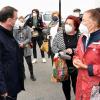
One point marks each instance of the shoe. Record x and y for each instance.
(34, 60)
(43, 60)
(32, 78)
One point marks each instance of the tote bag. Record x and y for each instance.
(60, 70)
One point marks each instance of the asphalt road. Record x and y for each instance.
(42, 88)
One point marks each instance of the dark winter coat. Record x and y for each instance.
(11, 79)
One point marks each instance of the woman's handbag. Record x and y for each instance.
(45, 46)
(60, 70)
(95, 94)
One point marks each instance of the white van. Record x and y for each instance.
(46, 17)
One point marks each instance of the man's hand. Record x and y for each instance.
(5, 94)
(79, 64)
(21, 45)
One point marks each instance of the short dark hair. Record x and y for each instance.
(6, 12)
(77, 10)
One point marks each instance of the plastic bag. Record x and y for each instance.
(60, 70)
(95, 94)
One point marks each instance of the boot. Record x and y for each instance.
(32, 77)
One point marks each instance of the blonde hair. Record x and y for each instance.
(55, 12)
(21, 17)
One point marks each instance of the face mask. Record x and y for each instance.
(68, 28)
(54, 18)
(34, 14)
(83, 29)
(21, 24)
(77, 14)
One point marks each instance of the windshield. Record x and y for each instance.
(47, 17)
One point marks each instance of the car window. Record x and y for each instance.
(47, 17)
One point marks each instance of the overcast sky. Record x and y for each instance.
(25, 6)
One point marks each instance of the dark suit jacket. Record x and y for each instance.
(11, 79)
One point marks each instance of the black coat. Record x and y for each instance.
(11, 79)
(40, 25)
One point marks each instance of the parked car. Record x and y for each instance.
(46, 17)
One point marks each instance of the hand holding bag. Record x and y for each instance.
(64, 55)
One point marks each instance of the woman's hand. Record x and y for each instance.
(69, 51)
(79, 64)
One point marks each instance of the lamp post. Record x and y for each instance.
(59, 13)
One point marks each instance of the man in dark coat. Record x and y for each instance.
(11, 79)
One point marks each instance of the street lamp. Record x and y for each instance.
(59, 13)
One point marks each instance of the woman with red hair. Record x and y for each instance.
(65, 43)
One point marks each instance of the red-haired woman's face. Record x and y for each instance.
(71, 23)
(69, 26)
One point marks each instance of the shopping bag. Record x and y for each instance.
(60, 70)
(45, 46)
(95, 94)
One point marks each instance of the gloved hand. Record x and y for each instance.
(63, 55)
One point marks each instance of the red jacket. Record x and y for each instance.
(90, 56)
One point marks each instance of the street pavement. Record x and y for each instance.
(42, 88)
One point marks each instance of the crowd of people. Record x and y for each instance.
(78, 37)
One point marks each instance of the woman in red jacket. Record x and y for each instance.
(87, 57)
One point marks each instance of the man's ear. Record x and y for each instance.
(9, 20)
